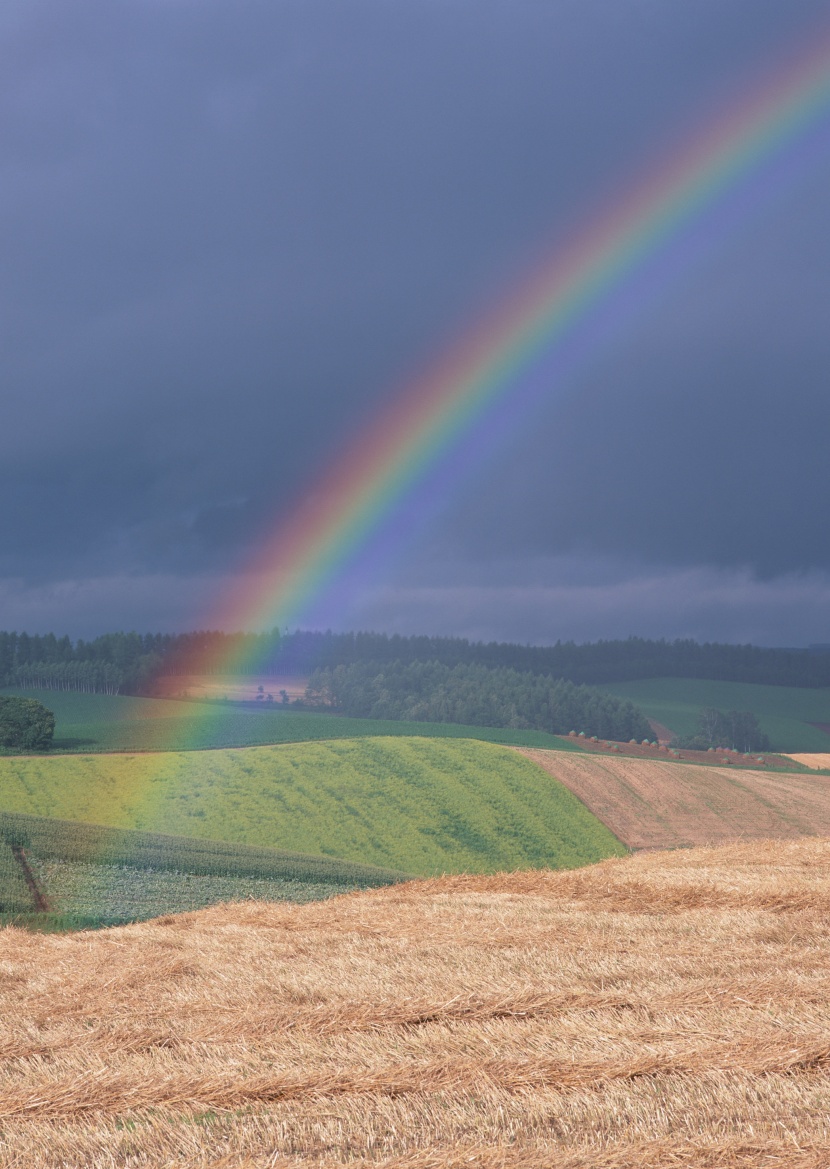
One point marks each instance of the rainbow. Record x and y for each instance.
(402, 447)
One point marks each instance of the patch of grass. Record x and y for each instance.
(784, 712)
(103, 722)
(420, 805)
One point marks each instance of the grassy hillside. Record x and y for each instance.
(784, 712)
(102, 722)
(421, 805)
(94, 875)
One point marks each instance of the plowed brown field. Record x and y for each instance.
(652, 803)
(657, 1011)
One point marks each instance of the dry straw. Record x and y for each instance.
(666, 1010)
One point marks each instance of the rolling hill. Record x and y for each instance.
(418, 804)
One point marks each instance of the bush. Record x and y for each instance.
(25, 725)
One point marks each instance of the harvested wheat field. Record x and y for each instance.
(817, 760)
(654, 1011)
(653, 803)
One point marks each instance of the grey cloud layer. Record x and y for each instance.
(232, 230)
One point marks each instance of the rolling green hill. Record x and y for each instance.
(421, 805)
(103, 722)
(784, 712)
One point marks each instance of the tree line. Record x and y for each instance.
(86, 677)
(141, 658)
(474, 695)
(115, 663)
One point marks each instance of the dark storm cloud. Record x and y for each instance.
(232, 230)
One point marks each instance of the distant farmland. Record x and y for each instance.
(103, 722)
(422, 805)
(784, 712)
(655, 803)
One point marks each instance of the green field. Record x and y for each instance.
(14, 892)
(421, 805)
(784, 712)
(102, 722)
(94, 875)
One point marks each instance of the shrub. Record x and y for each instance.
(25, 725)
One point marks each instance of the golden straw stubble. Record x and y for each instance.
(669, 1009)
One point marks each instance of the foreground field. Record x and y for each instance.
(107, 722)
(662, 1010)
(653, 803)
(786, 713)
(422, 805)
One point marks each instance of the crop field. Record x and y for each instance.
(784, 712)
(15, 896)
(816, 762)
(91, 895)
(654, 803)
(92, 875)
(103, 722)
(666, 1009)
(421, 805)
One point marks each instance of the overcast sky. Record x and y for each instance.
(232, 229)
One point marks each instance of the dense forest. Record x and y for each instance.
(474, 695)
(128, 663)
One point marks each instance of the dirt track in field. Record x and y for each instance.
(654, 803)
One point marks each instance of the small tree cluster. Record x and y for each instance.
(736, 729)
(25, 725)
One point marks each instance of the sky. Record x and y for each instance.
(235, 229)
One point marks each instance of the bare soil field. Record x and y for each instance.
(662, 733)
(658, 1011)
(655, 803)
(816, 760)
(235, 687)
(721, 755)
